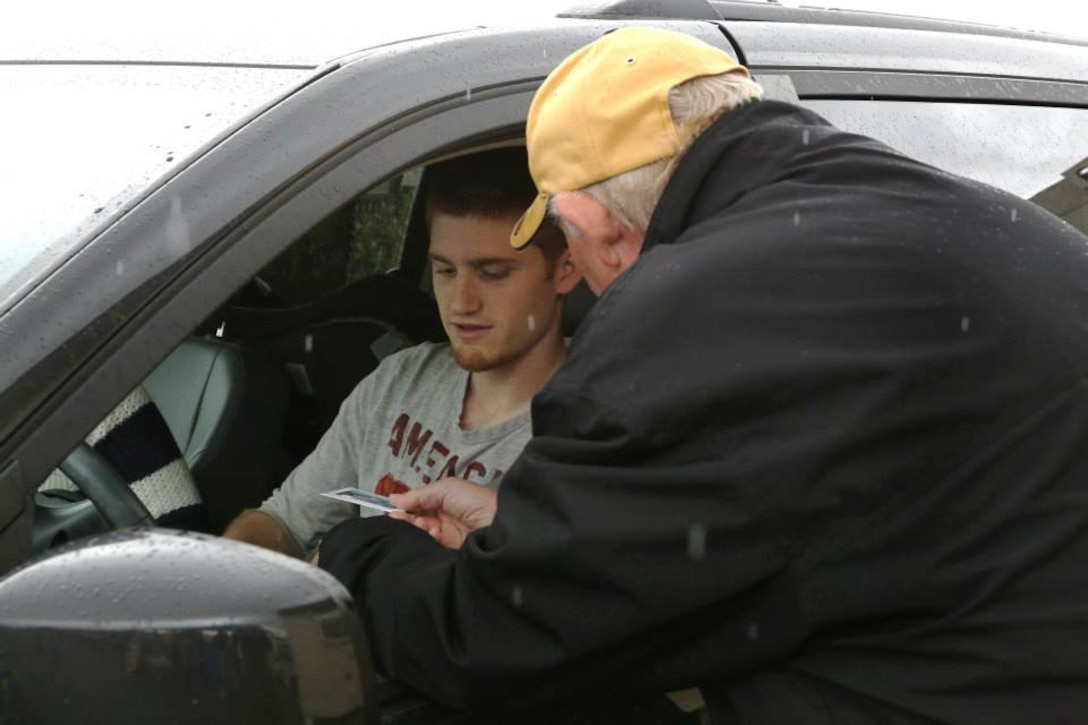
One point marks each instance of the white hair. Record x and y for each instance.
(695, 105)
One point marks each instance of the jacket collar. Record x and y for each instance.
(734, 155)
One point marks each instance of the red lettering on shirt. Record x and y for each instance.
(475, 468)
(408, 440)
(388, 484)
(450, 469)
(416, 443)
(398, 433)
(440, 449)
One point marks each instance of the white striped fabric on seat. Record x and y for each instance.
(136, 441)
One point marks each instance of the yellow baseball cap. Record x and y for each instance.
(605, 111)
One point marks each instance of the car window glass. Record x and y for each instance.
(362, 238)
(83, 138)
(1022, 149)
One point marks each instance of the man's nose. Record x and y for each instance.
(465, 297)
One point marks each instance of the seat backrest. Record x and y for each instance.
(197, 390)
(329, 345)
(226, 407)
(325, 362)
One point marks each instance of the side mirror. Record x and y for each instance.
(147, 625)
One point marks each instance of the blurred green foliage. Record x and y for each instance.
(362, 238)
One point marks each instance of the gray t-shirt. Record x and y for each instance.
(399, 428)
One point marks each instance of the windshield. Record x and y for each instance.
(78, 140)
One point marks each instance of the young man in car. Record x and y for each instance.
(438, 410)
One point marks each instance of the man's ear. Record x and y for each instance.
(612, 242)
(567, 275)
(616, 246)
(627, 245)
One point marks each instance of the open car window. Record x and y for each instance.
(362, 238)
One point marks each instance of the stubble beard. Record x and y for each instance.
(477, 361)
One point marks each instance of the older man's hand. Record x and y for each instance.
(448, 509)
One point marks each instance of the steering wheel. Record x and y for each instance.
(104, 487)
(109, 498)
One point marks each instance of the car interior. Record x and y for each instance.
(248, 394)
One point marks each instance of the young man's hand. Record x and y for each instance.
(449, 509)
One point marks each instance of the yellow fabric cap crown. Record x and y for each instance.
(605, 111)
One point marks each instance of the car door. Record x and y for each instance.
(97, 325)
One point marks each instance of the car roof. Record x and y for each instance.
(810, 13)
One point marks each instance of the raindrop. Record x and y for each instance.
(308, 343)
(518, 596)
(805, 137)
(753, 632)
(119, 268)
(532, 323)
(697, 541)
(468, 93)
(1014, 216)
(965, 323)
(797, 219)
(177, 227)
(99, 210)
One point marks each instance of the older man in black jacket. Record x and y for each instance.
(818, 450)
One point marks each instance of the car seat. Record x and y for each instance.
(226, 407)
(326, 347)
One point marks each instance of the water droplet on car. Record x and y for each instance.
(1014, 216)
(805, 137)
(697, 541)
(797, 219)
(308, 343)
(532, 323)
(119, 268)
(518, 596)
(753, 632)
(177, 227)
(965, 323)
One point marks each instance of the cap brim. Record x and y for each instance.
(529, 224)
